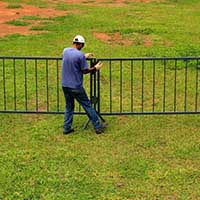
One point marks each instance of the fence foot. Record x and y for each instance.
(102, 119)
(85, 125)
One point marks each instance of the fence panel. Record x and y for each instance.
(123, 86)
(150, 86)
(31, 85)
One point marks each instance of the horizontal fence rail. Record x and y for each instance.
(123, 86)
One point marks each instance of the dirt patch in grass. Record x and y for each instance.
(113, 3)
(108, 2)
(114, 38)
(148, 41)
(8, 14)
(140, 39)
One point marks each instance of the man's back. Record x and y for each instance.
(73, 62)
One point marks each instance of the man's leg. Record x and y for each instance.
(69, 110)
(82, 98)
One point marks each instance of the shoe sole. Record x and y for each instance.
(68, 132)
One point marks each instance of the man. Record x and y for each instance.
(74, 65)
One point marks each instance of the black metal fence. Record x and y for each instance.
(123, 86)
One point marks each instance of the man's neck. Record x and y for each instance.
(76, 46)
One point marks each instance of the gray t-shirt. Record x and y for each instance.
(73, 62)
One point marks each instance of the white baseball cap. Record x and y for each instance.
(79, 39)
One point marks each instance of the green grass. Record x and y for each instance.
(159, 158)
(13, 6)
(33, 17)
(139, 157)
(18, 23)
(173, 28)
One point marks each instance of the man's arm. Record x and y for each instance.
(93, 69)
(89, 70)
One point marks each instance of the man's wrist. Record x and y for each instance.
(89, 70)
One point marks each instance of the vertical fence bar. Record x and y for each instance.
(36, 85)
(164, 86)
(98, 92)
(25, 84)
(120, 86)
(185, 100)
(197, 85)
(142, 86)
(175, 80)
(58, 95)
(91, 82)
(47, 84)
(110, 72)
(154, 83)
(132, 86)
(14, 84)
(4, 85)
(95, 92)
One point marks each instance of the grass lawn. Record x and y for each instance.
(139, 157)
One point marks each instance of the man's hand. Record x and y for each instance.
(89, 55)
(98, 65)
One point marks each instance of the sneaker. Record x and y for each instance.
(101, 129)
(68, 131)
(104, 125)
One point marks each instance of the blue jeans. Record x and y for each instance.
(80, 95)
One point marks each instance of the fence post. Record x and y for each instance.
(97, 92)
(94, 91)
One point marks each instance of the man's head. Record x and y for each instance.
(79, 42)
